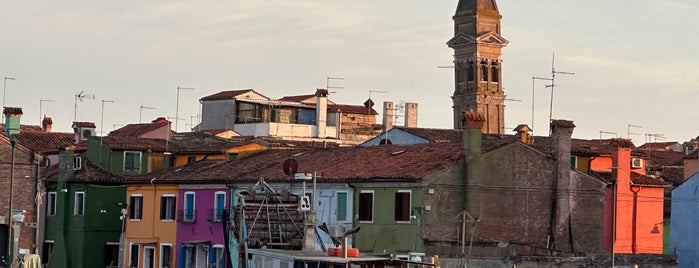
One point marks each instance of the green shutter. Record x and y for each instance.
(341, 206)
(128, 161)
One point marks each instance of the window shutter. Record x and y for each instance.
(341, 206)
(128, 161)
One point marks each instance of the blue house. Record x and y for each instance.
(683, 228)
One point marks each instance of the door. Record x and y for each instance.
(148, 257)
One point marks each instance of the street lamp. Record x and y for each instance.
(140, 113)
(13, 143)
(177, 104)
(41, 116)
(4, 85)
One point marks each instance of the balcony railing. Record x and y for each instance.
(188, 216)
(215, 215)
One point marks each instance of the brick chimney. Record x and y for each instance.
(410, 114)
(561, 133)
(12, 116)
(522, 133)
(471, 141)
(387, 115)
(47, 124)
(321, 112)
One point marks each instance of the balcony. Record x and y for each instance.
(187, 217)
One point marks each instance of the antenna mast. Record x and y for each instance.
(553, 85)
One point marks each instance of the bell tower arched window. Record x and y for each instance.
(495, 72)
(469, 71)
(484, 71)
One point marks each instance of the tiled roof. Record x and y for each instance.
(226, 95)
(197, 142)
(636, 179)
(46, 142)
(352, 109)
(380, 163)
(135, 130)
(84, 124)
(135, 143)
(662, 158)
(219, 131)
(562, 123)
(434, 134)
(23, 127)
(279, 143)
(89, 172)
(657, 145)
(299, 98)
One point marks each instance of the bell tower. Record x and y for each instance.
(477, 48)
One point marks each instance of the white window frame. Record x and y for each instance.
(138, 254)
(347, 207)
(194, 207)
(217, 216)
(51, 207)
(77, 163)
(216, 248)
(140, 159)
(373, 207)
(174, 207)
(160, 255)
(75, 204)
(136, 195)
(410, 205)
(145, 248)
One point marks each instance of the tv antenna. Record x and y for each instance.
(327, 83)
(81, 96)
(553, 85)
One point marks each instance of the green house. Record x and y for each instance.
(83, 214)
(127, 155)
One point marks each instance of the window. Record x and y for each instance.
(216, 256)
(111, 255)
(132, 161)
(79, 208)
(248, 113)
(189, 206)
(77, 163)
(574, 161)
(219, 205)
(167, 207)
(136, 207)
(366, 206)
(402, 206)
(165, 255)
(469, 72)
(51, 204)
(191, 159)
(47, 251)
(494, 73)
(484, 71)
(133, 255)
(341, 209)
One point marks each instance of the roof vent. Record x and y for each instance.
(398, 152)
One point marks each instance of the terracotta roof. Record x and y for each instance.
(636, 179)
(662, 158)
(472, 115)
(218, 131)
(227, 95)
(12, 110)
(622, 143)
(657, 145)
(135, 130)
(522, 127)
(352, 109)
(434, 134)
(671, 174)
(84, 124)
(23, 127)
(562, 123)
(279, 143)
(46, 142)
(134, 143)
(299, 98)
(89, 172)
(197, 142)
(378, 163)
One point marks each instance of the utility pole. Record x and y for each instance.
(534, 78)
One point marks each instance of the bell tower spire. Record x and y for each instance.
(477, 48)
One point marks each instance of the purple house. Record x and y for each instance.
(200, 236)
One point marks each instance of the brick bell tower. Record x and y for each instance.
(477, 48)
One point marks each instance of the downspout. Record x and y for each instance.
(633, 219)
(589, 164)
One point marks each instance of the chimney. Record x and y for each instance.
(561, 133)
(321, 111)
(47, 124)
(12, 116)
(387, 115)
(621, 160)
(471, 141)
(522, 134)
(410, 114)
(621, 172)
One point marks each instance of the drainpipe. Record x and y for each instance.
(633, 218)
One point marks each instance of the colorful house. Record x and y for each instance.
(684, 229)
(83, 205)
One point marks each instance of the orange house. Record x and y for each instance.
(151, 226)
(633, 205)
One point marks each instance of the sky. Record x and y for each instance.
(635, 62)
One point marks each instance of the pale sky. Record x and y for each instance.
(635, 62)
